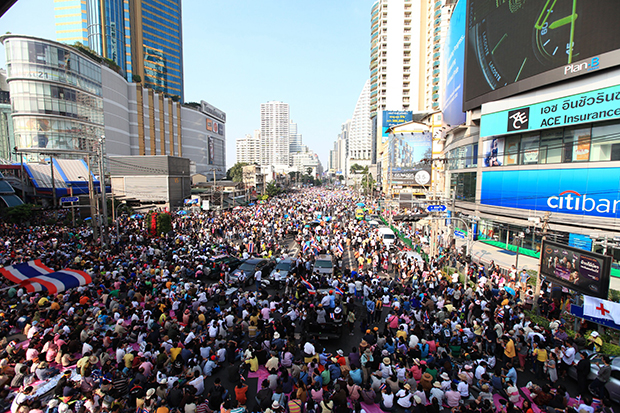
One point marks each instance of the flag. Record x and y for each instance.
(305, 247)
(599, 308)
(36, 277)
(338, 291)
(250, 247)
(340, 249)
(310, 287)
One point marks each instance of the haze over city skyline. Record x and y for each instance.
(313, 56)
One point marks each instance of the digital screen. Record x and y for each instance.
(453, 60)
(518, 45)
(407, 150)
(579, 270)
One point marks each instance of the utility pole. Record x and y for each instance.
(545, 228)
(91, 197)
(54, 203)
(102, 188)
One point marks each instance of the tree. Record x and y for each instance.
(236, 172)
(357, 168)
(368, 183)
(272, 189)
(19, 213)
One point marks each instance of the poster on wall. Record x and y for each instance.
(583, 148)
(211, 151)
(220, 129)
(579, 270)
(493, 151)
(215, 125)
(209, 125)
(512, 152)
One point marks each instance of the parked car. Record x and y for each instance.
(244, 274)
(213, 264)
(324, 264)
(278, 275)
(613, 385)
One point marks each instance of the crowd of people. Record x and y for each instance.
(150, 334)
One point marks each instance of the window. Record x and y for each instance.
(577, 144)
(511, 152)
(551, 146)
(529, 148)
(463, 186)
(605, 142)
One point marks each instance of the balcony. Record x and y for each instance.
(436, 55)
(435, 96)
(436, 72)
(435, 89)
(438, 4)
(436, 39)
(437, 13)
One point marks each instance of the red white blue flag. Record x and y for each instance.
(36, 277)
(310, 287)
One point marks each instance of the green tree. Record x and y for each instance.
(368, 183)
(272, 189)
(19, 213)
(236, 172)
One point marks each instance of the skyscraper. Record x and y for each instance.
(274, 133)
(248, 148)
(143, 37)
(437, 23)
(360, 134)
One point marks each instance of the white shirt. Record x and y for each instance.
(569, 355)
(309, 349)
(258, 275)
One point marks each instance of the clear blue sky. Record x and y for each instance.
(313, 55)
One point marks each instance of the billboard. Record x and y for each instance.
(209, 125)
(576, 191)
(211, 151)
(493, 152)
(393, 118)
(454, 59)
(582, 271)
(406, 152)
(514, 46)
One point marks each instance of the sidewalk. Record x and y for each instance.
(484, 253)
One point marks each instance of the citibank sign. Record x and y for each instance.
(574, 201)
(587, 191)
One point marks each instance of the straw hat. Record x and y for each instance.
(437, 384)
(444, 376)
(386, 360)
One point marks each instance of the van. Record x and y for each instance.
(387, 236)
(324, 265)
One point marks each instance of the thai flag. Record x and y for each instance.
(251, 247)
(310, 287)
(339, 248)
(305, 247)
(34, 276)
(338, 291)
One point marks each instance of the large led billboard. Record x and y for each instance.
(517, 45)
(580, 270)
(407, 150)
(453, 61)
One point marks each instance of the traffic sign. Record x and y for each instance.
(66, 199)
(459, 234)
(436, 208)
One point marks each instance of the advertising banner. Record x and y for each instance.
(493, 151)
(515, 46)
(454, 60)
(406, 152)
(580, 241)
(587, 191)
(597, 105)
(392, 118)
(211, 151)
(579, 270)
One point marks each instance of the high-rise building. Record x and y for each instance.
(143, 37)
(295, 140)
(248, 148)
(437, 23)
(360, 133)
(274, 133)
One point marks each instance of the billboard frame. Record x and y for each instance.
(603, 282)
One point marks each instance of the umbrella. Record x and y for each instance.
(86, 219)
(135, 216)
(509, 290)
(251, 204)
(361, 204)
(182, 212)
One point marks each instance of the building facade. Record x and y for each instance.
(437, 22)
(275, 133)
(360, 134)
(63, 102)
(143, 37)
(248, 148)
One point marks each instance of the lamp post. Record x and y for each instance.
(70, 185)
(102, 188)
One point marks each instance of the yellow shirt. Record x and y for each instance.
(128, 358)
(174, 352)
(509, 350)
(541, 354)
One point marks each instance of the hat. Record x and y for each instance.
(376, 328)
(462, 376)
(150, 393)
(364, 343)
(437, 384)
(485, 387)
(93, 359)
(385, 353)
(444, 376)
(386, 360)
(334, 360)
(417, 399)
(340, 352)
(42, 365)
(468, 367)
(275, 405)
(368, 331)
(407, 386)
(163, 380)
(276, 335)
(63, 408)
(66, 372)
(337, 310)
(594, 334)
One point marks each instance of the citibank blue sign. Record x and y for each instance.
(590, 192)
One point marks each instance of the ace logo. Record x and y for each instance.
(518, 119)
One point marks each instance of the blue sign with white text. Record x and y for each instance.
(587, 191)
(580, 241)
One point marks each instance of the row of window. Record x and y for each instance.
(53, 74)
(50, 133)
(39, 53)
(583, 143)
(60, 107)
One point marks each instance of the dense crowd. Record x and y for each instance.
(150, 334)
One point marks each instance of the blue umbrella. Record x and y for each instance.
(361, 204)
(182, 212)
(136, 216)
(509, 290)
(86, 219)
